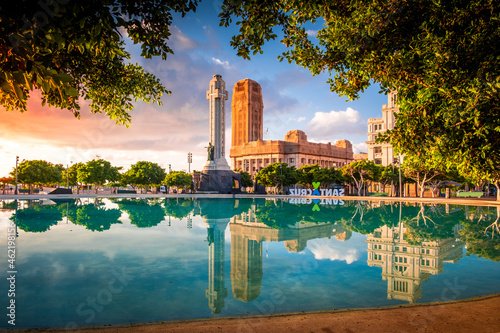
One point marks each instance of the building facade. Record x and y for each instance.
(250, 153)
(382, 153)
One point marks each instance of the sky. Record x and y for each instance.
(293, 99)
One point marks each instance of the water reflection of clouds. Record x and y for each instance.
(333, 249)
(139, 241)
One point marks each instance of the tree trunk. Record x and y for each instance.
(360, 188)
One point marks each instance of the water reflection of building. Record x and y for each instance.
(247, 236)
(216, 291)
(406, 266)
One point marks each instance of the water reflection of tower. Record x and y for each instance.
(404, 266)
(246, 261)
(216, 291)
(247, 236)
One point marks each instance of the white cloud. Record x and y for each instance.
(335, 124)
(332, 249)
(359, 148)
(180, 41)
(299, 119)
(224, 64)
(312, 33)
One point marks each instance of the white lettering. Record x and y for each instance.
(341, 192)
(335, 192)
(328, 192)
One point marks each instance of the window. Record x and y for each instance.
(378, 161)
(291, 161)
(377, 150)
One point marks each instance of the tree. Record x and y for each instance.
(37, 172)
(6, 180)
(277, 175)
(306, 174)
(389, 175)
(360, 172)
(76, 50)
(97, 172)
(443, 58)
(72, 176)
(145, 173)
(178, 179)
(246, 178)
(328, 176)
(421, 171)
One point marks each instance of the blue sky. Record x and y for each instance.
(293, 99)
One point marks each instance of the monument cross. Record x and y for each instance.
(217, 96)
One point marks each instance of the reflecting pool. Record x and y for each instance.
(85, 262)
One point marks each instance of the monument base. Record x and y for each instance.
(220, 181)
(218, 164)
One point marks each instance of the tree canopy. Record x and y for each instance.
(37, 172)
(246, 178)
(277, 174)
(145, 173)
(71, 51)
(178, 179)
(360, 172)
(443, 58)
(98, 172)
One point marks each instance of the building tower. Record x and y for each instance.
(217, 95)
(382, 153)
(246, 112)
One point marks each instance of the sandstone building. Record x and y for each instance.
(250, 153)
(382, 153)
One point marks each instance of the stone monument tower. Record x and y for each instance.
(217, 96)
(217, 175)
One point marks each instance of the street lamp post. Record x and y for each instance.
(400, 185)
(190, 160)
(17, 160)
(281, 169)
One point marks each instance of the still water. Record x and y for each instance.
(109, 261)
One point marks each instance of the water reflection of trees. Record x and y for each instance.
(37, 217)
(178, 209)
(432, 222)
(479, 233)
(279, 214)
(478, 225)
(143, 213)
(93, 216)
